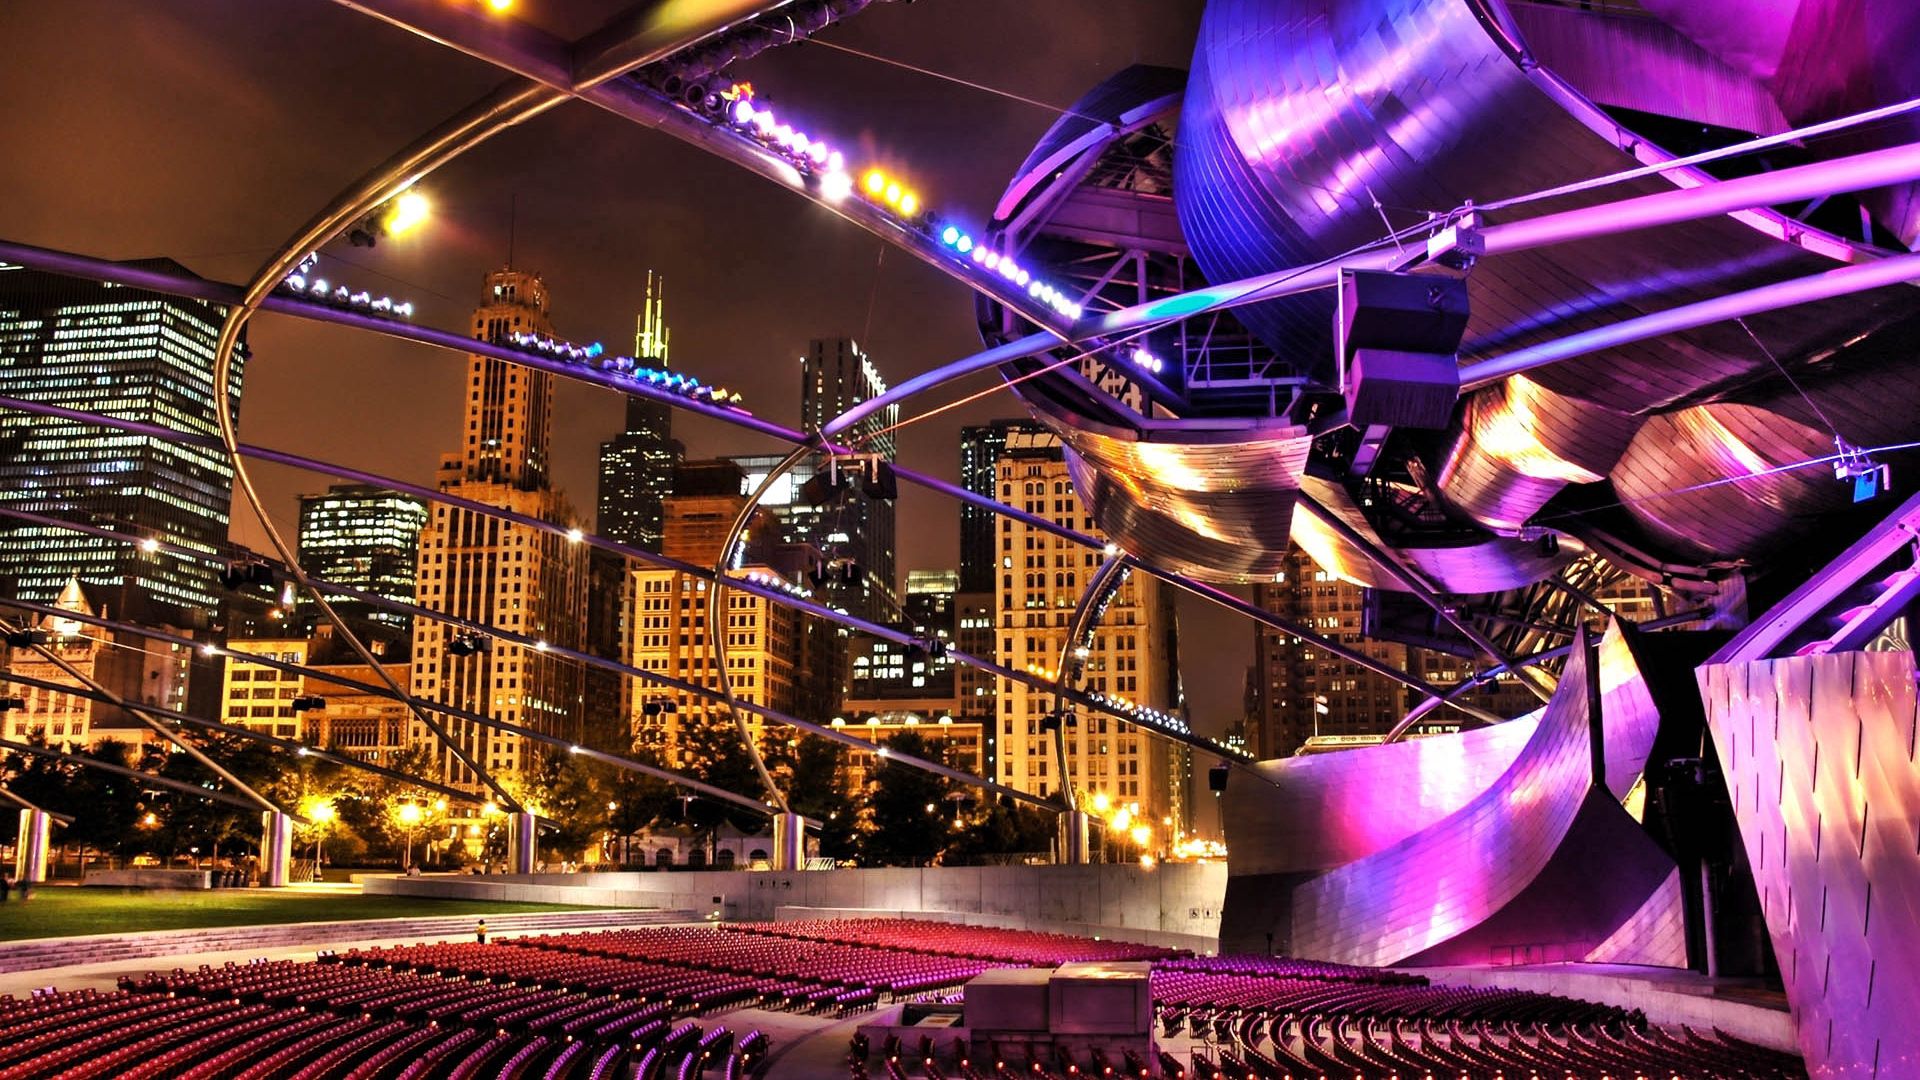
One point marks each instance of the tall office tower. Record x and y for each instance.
(133, 355)
(608, 695)
(1132, 656)
(1300, 692)
(366, 538)
(834, 377)
(669, 626)
(980, 449)
(479, 568)
(636, 466)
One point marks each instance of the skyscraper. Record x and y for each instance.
(834, 377)
(636, 466)
(479, 568)
(133, 355)
(1131, 656)
(366, 538)
(980, 449)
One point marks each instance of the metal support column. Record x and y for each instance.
(789, 842)
(1073, 839)
(276, 848)
(523, 843)
(30, 854)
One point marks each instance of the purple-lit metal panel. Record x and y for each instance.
(1822, 59)
(1323, 810)
(1517, 444)
(1543, 864)
(1818, 753)
(1656, 936)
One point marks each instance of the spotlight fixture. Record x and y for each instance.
(1870, 479)
(240, 572)
(1217, 778)
(309, 703)
(466, 645)
(13, 704)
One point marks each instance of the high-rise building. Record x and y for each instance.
(479, 568)
(371, 727)
(765, 640)
(1131, 657)
(980, 448)
(366, 538)
(835, 375)
(636, 466)
(133, 355)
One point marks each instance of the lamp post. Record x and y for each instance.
(410, 817)
(322, 815)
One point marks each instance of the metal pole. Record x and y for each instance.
(276, 849)
(1074, 832)
(30, 851)
(789, 841)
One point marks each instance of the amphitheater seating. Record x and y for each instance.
(618, 1003)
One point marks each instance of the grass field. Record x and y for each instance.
(63, 912)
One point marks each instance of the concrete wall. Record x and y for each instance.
(1177, 905)
(151, 878)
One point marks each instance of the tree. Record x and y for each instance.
(1004, 829)
(815, 790)
(907, 804)
(711, 750)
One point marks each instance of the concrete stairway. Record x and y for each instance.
(43, 953)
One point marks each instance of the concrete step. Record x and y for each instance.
(46, 953)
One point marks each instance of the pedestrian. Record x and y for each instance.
(480, 932)
(26, 889)
(6, 887)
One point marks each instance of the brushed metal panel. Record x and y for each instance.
(1819, 760)
(1544, 857)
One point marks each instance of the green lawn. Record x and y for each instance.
(62, 912)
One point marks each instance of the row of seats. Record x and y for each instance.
(288, 1021)
(1193, 997)
(1029, 948)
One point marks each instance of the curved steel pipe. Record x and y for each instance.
(432, 495)
(716, 628)
(249, 734)
(139, 712)
(146, 778)
(508, 105)
(1105, 580)
(321, 674)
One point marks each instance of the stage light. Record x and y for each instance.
(149, 545)
(410, 211)
(909, 204)
(950, 236)
(309, 703)
(500, 5)
(891, 194)
(818, 153)
(980, 255)
(965, 245)
(875, 182)
(743, 112)
(836, 186)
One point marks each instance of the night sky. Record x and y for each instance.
(210, 130)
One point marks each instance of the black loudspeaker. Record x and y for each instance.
(1217, 778)
(1401, 333)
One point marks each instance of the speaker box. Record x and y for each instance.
(1402, 389)
(1415, 313)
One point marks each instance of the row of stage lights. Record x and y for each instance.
(626, 367)
(775, 581)
(303, 282)
(814, 155)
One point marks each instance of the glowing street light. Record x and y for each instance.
(321, 814)
(410, 210)
(410, 815)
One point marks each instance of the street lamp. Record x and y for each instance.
(410, 817)
(321, 815)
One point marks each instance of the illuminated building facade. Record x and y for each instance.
(980, 448)
(636, 466)
(835, 375)
(365, 538)
(765, 640)
(1131, 657)
(132, 355)
(483, 569)
(259, 697)
(134, 667)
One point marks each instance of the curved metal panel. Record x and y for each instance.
(1518, 443)
(1522, 863)
(1494, 564)
(1324, 810)
(1215, 505)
